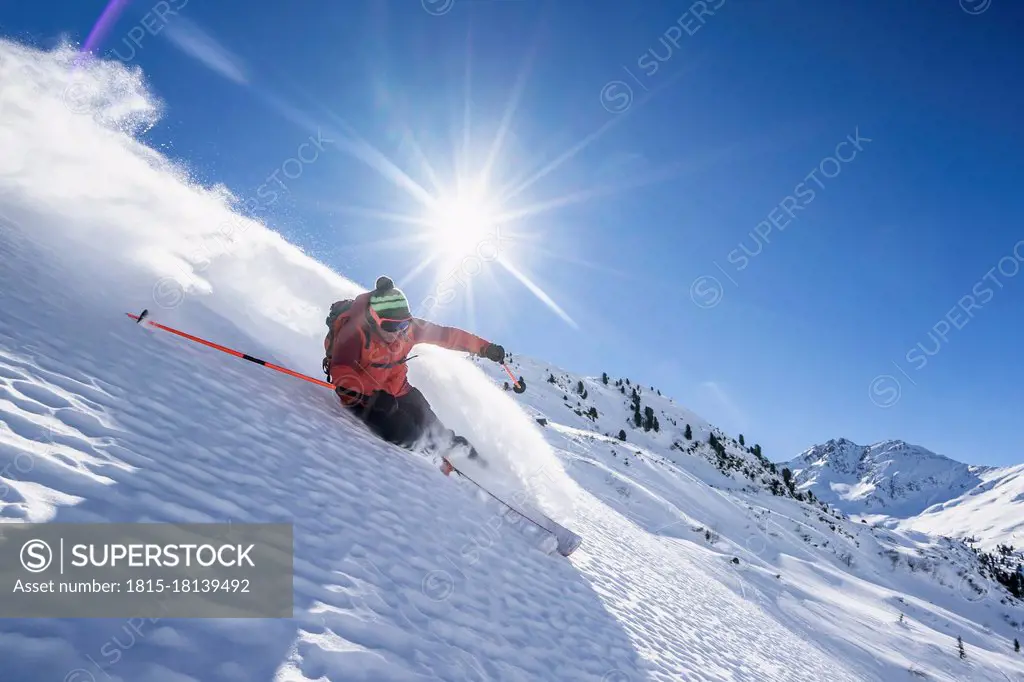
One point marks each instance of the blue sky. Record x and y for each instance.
(847, 173)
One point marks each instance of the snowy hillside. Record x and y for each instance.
(909, 486)
(992, 512)
(698, 562)
(591, 408)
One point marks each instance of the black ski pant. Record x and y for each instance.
(407, 420)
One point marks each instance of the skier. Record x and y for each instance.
(367, 346)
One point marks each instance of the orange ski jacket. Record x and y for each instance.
(361, 362)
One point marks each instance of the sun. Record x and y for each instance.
(459, 224)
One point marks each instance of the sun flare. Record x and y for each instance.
(459, 224)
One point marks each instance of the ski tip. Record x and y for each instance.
(570, 547)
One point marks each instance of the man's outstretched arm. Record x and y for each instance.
(453, 338)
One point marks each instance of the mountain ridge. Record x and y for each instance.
(900, 483)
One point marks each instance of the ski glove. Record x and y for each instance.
(494, 352)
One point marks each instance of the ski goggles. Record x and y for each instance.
(394, 326)
(389, 325)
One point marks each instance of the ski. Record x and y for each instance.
(568, 541)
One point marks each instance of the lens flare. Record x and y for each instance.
(103, 25)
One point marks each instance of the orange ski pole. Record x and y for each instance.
(277, 368)
(518, 388)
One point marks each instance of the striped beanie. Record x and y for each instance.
(388, 301)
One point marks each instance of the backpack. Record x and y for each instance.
(338, 308)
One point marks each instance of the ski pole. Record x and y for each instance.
(142, 316)
(517, 387)
(495, 497)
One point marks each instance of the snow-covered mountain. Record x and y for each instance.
(910, 486)
(699, 561)
(891, 477)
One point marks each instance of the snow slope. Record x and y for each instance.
(907, 485)
(992, 512)
(851, 581)
(691, 569)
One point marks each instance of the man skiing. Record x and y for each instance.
(367, 346)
